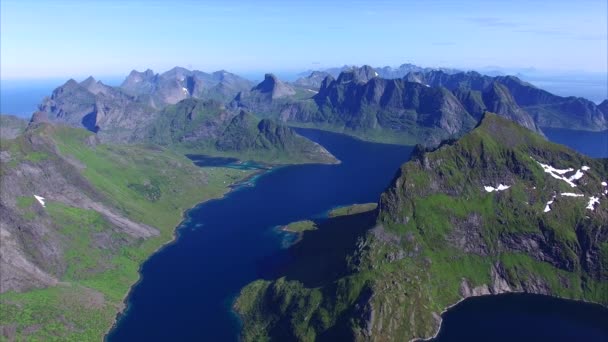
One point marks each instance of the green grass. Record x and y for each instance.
(300, 226)
(352, 209)
(25, 202)
(147, 184)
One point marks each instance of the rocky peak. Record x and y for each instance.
(499, 100)
(358, 75)
(273, 86)
(94, 86)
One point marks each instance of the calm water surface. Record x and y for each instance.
(187, 288)
(524, 317)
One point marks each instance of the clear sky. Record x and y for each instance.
(67, 38)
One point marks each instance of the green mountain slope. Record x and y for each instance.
(207, 127)
(265, 139)
(77, 219)
(500, 210)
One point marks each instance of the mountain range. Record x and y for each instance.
(180, 107)
(425, 106)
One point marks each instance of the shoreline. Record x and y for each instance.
(438, 330)
(174, 236)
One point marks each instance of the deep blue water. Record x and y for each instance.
(593, 144)
(188, 287)
(524, 317)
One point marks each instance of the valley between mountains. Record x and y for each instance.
(97, 181)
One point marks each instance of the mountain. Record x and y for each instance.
(196, 126)
(98, 108)
(380, 109)
(190, 120)
(179, 83)
(312, 81)
(404, 69)
(267, 96)
(548, 110)
(388, 72)
(245, 133)
(77, 219)
(500, 210)
(130, 115)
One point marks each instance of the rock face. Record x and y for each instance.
(546, 109)
(354, 102)
(499, 210)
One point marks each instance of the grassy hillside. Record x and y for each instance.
(107, 208)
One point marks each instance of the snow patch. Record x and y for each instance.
(501, 187)
(312, 91)
(558, 173)
(577, 175)
(375, 73)
(592, 201)
(41, 200)
(547, 207)
(185, 91)
(585, 168)
(604, 184)
(571, 194)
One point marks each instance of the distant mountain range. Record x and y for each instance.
(384, 72)
(363, 103)
(185, 108)
(422, 106)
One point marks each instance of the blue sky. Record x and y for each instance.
(44, 39)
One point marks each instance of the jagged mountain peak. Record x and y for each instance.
(274, 87)
(357, 74)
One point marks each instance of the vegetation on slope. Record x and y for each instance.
(107, 208)
(440, 236)
(207, 127)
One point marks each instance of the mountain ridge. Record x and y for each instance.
(463, 219)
